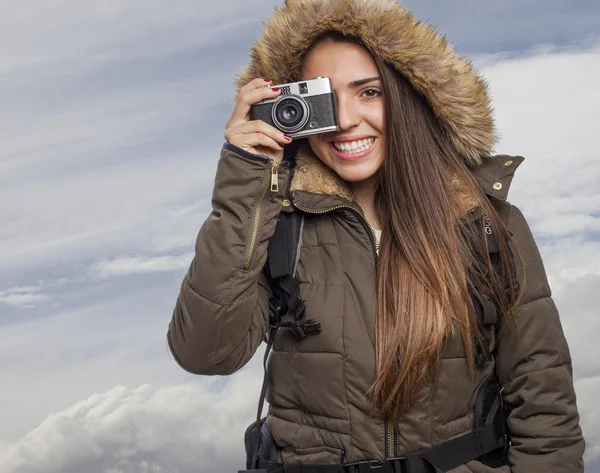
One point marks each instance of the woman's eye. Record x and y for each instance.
(372, 93)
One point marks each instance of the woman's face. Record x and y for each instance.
(356, 151)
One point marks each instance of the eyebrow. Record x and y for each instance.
(359, 82)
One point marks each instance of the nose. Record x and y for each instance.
(348, 115)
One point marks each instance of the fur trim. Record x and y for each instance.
(311, 175)
(456, 92)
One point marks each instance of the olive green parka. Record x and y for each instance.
(317, 404)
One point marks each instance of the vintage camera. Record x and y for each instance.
(303, 108)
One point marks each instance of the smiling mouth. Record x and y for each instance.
(353, 147)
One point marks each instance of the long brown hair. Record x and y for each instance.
(429, 248)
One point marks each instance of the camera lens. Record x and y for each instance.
(290, 113)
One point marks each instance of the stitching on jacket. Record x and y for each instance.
(227, 304)
(541, 370)
(316, 228)
(277, 408)
(431, 439)
(576, 437)
(299, 397)
(237, 349)
(278, 350)
(537, 299)
(317, 283)
(321, 245)
(349, 453)
(457, 420)
(170, 348)
(186, 279)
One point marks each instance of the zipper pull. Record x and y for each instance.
(275, 177)
(488, 224)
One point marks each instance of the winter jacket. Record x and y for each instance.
(317, 405)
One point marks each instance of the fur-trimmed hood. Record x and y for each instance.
(457, 94)
(455, 91)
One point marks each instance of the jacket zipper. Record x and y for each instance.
(274, 185)
(390, 436)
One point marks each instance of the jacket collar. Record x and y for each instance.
(316, 187)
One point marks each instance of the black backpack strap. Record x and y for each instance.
(485, 310)
(286, 308)
(490, 409)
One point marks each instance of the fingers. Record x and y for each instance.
(250, 94)
(257, 126)
(253, 84)
(260, 139)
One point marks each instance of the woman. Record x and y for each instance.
(396, 207)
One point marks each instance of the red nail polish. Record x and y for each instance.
(267, 80)
(287, 137)
(275, 89)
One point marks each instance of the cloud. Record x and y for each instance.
(23, 296)
(546, 109)
(184, 428)
(108, 123)
(587, 400)
(127, 265)
(512, 25)
(77, 34)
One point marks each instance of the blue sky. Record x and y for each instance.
(111, 123)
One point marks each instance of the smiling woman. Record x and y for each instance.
(439, 346)
(355, 157)
(358, 151)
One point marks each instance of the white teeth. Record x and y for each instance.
(354, 146)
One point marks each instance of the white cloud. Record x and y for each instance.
(587, 400)
(77, 34)
(23, 296)
(569, 259)
(110, 335)
(93, 113)
(547, 108)
(184, 429)
(127, 265)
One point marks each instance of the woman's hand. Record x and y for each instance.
(255, 136)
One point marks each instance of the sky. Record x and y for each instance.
(111, 124)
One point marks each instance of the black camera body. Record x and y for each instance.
(302, 109)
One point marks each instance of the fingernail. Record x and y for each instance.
(275, 89)
(287, 137)
(267, 80)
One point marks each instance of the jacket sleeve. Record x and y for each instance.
(221, 313)
(534, 368)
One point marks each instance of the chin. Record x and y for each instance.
(356, 173)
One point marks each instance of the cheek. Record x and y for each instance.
(377, 120)
(318, 146)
